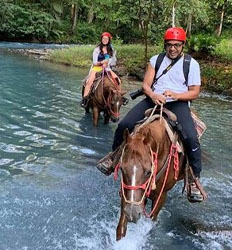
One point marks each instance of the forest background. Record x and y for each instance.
(137, 27)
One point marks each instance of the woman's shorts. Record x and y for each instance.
(97, 68)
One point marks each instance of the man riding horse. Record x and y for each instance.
(171, 90)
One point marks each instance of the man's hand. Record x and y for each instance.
(158, 99)
(170, 94)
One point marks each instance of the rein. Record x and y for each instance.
(147, 186)
(107, 102)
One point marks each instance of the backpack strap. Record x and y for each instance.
(186, 65)
(159, 60)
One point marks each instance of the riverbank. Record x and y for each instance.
(216, 71)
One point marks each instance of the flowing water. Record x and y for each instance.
(53, 197)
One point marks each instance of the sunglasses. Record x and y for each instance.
(175, 45)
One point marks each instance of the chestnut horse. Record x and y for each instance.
(106, 97)
(150, 165)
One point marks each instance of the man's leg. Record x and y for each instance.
(191, 143)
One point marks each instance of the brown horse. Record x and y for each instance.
(150, 167)
(106, 97)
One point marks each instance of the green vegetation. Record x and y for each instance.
(216, 70)
(140, 22)
(130, 57)
(132, 21)
(224, 48)
(80, 56)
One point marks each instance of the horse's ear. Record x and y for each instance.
(123, 92)
(127, 136)
(147, 138)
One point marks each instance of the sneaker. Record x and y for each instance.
(105, 165)
(194, 194)
(84, 102)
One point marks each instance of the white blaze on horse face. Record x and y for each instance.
(133, 183)
(118, 103)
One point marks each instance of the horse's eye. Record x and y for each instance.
(148, 173)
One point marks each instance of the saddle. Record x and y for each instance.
(195, 191)
(97, 81)
(170, 117)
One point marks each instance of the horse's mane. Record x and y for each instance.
(109, 83)
(145, 136)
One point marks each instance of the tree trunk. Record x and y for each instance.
(189, 25)
(74, 17)
(91, 14)
(173, 13)
(221, 21)
(146, 31)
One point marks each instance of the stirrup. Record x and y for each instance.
(194, 194)
(124, 101)
(84, 102)
(105, 164)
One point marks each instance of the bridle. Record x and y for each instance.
(146, 186)
(107, 102)
(150, 183)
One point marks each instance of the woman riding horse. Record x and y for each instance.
(107, 98)
(104, 57)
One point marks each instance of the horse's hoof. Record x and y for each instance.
(119, 236)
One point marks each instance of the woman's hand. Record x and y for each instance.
(158, 99)
(104, 63)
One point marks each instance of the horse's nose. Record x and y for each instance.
(133, 212)
(114, 119)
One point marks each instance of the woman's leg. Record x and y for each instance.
(89, 83)
(117, 79)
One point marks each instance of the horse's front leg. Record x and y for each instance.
(122, 224)
(159, 205)
(106, 117)
(95, 116)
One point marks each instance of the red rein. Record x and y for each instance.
(172, 154)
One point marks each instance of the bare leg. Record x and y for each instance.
(89, 83)
(113, 75)
(122, 225)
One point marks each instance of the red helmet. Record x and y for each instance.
(106, 34)
(175, 33)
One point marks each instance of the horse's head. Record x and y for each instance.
(114, 103)
(150, 167)
(137, 166)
